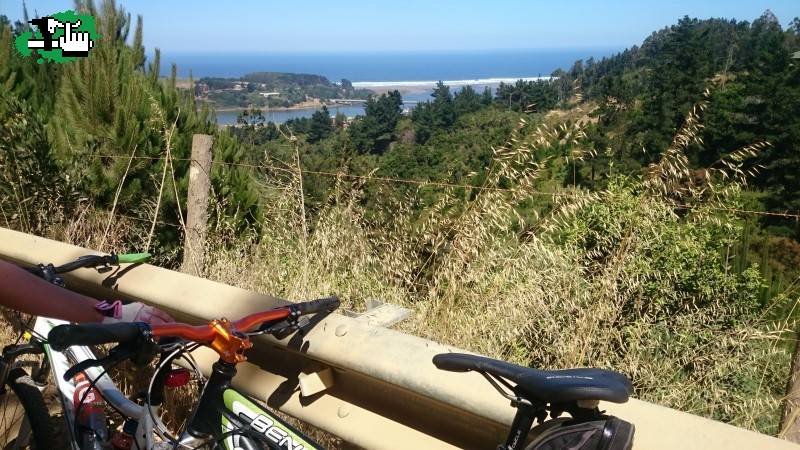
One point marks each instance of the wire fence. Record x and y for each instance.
(430, 183)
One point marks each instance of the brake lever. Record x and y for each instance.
(116, 355)
(141, 354)
(284, 328)
(48, 273)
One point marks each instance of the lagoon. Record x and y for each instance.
(412, 92)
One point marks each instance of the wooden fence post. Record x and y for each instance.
(790, 425)
(197, 205)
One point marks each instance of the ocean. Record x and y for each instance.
(389, 66)
(478, 68)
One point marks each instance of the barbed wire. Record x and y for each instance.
(144, 220)
(348, 175)
(444, 184)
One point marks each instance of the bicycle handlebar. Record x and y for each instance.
(63, 336)
(205, 333)
(102, 260)
(314, 306)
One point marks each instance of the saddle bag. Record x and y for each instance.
(609, 433)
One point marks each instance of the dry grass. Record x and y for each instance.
(619, 279)
(615, 279)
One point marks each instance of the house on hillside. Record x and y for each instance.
(796, 55)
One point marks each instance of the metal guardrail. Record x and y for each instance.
(386, 393)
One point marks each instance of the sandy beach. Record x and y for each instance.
(422, 86)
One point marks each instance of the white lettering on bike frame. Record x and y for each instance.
(272, 430)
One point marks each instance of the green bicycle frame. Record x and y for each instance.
(241, 411)
(229, 417)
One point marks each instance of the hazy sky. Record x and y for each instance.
(410, 25)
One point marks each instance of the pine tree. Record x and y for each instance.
(110, 107)
(466, 101)
(320, 126)
(35, 84)
(374, 132)
(443, 109)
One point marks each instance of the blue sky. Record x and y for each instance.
(410, 25)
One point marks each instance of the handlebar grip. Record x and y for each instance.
(327, 304)
(133, 258)
(63, 336)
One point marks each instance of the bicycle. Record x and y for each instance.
(220, 407)
(25, 367)
(222, 418)
(539, 393)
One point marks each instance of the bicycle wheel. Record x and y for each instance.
(24, 418)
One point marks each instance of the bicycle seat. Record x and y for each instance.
(552, 386)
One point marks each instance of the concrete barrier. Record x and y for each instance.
(386, 392)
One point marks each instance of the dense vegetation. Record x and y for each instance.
(292, 88)
(101, 111)
(645, 93)
(592, 219)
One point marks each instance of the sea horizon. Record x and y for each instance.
(385, 67)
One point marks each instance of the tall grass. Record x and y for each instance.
(636, 278)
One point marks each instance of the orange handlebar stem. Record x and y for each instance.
(225, 337)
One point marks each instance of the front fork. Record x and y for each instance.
(40, 370)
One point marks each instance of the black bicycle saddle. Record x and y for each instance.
(552, 386)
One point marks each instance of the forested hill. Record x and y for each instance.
(745, 71)
(282, 79)
(275, 89)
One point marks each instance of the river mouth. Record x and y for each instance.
(228, 117)
(412, 92)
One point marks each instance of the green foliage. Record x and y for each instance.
(467, 101)
(679, 269)
(439, 114)
(373, 132)
(537, 95)
(108, 109)
(644, 94)
(34, 83)
(33, 189)
(117, 129)
(320, 126)
(235, 192)
(293, 88)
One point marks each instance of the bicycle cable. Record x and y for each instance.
(179, 352)
(246, 431)
(26, 327)
(92, 384)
